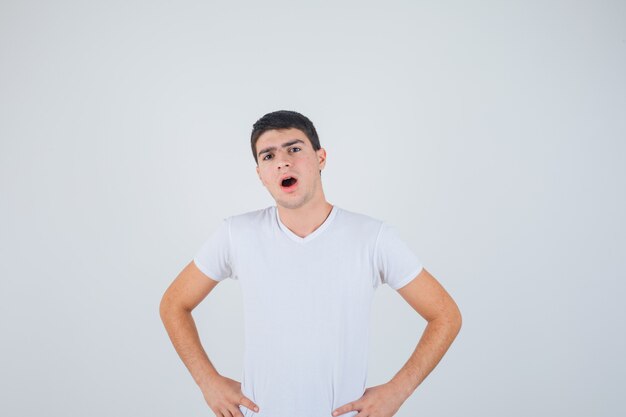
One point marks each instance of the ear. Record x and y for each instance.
(321, 157)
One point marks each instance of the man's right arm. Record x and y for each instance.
(189, 288)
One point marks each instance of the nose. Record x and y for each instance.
(282, 163)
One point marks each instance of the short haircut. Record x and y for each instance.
(283, 119)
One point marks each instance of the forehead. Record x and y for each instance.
(278, 136)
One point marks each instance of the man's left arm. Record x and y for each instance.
(433, 303)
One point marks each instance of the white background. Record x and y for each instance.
(490, 133)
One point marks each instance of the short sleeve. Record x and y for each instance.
(396, 264)
(214, 256)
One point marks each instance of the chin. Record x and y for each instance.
(291, 204)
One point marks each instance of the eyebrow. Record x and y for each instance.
(284, 145)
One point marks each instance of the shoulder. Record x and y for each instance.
(359, 221)
(251, 218)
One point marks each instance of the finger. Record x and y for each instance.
(345, 408)
(235, 412)
(247, 402)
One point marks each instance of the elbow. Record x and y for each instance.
(451, 318)
(170, 306)
(459, 322)
(166, 306)
(456, 319)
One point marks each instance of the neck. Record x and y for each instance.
(306, 219)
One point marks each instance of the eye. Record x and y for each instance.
(291, 149)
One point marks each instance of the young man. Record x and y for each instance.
(308, 270)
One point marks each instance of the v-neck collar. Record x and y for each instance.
(311, 235)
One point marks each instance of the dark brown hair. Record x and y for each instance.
(283, 119)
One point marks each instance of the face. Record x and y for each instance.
(288, 152)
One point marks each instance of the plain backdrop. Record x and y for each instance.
(490, 133)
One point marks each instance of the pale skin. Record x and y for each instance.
(303, 211)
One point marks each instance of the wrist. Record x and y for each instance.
(206, 380)
(403, 384)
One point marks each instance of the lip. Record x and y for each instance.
(291, 188)
(282, 177)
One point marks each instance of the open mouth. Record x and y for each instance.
(288, 182)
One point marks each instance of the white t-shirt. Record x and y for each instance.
(307, 304)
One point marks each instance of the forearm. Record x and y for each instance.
(434, 343)
(183, 333)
